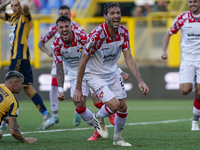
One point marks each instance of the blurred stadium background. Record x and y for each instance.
(146, 34)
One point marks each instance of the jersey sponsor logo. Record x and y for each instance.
(3, 92)
(1, 98)
(193, 35)
(109, 57)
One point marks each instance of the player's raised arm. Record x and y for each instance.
(2, 6)
(24, 6)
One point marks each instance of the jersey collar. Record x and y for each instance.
(106, 29)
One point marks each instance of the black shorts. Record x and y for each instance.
(24, 67)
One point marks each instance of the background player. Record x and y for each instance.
(52, 32)
(188, 22)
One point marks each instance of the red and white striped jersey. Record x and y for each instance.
(105, 49)
(69, 53)
(190, 32)
(52, 31)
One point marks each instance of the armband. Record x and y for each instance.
(60, 90)
(119, 70)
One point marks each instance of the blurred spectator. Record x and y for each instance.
(143, 2)
(161, 5)
(140, 11)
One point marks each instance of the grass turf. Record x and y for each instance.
(144, 129)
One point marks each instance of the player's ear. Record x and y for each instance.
(105, 16)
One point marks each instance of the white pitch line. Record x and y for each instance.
(108, 126)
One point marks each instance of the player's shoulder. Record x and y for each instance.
(6, 93)
(122, 29)
(56, 42)
(97, 33)
(184, 15)
(53, 28)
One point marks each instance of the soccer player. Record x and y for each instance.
(68, 48)
(188, 22)
(98, 66)
(52, 32)
(20, 26)
(9, 105)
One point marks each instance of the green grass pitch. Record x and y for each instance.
(151, 125)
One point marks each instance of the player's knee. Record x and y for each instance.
(185, 91)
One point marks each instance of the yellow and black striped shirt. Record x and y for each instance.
(20, 27)
(8, 104)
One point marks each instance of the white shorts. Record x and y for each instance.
(53, 69)
(106, 87)
(72, 81)
(188, 69)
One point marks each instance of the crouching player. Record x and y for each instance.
(9, 105)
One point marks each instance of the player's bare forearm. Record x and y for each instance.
(43, 48)
(81, 70)
(2, 6)
(130, 62)
(166, 40)
(60, 74)
(25, 7)
(14, 130)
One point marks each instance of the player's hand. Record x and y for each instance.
(164, 55)
(143, 88)
(31, 140)
(78, 96)
(125, 76)
(61, 96)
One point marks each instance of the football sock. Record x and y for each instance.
(120, 121)
(104, 112)
(37, 100)
(53, 94)
(196, 117)
(86, 115)
(99, 105)
(55, 113)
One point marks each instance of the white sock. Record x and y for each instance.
(53, 94)
(104, 112)
(120, 121)
(87, 116)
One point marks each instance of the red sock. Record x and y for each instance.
(197, 103)
(99, 105)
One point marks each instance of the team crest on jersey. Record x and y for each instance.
(101, 94)
(79, 50)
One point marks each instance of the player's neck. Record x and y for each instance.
(111, 30)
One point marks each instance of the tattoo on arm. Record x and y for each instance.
(14, 130)
(14, 125)
(60, 74)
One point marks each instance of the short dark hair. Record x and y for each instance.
(63, 18)
(64, 7)
(110, 5)
(13, 73)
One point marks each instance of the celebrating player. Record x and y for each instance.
(188, 22)
(98, 66)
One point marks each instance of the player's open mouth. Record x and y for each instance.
(115, 22)
(65, 34)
